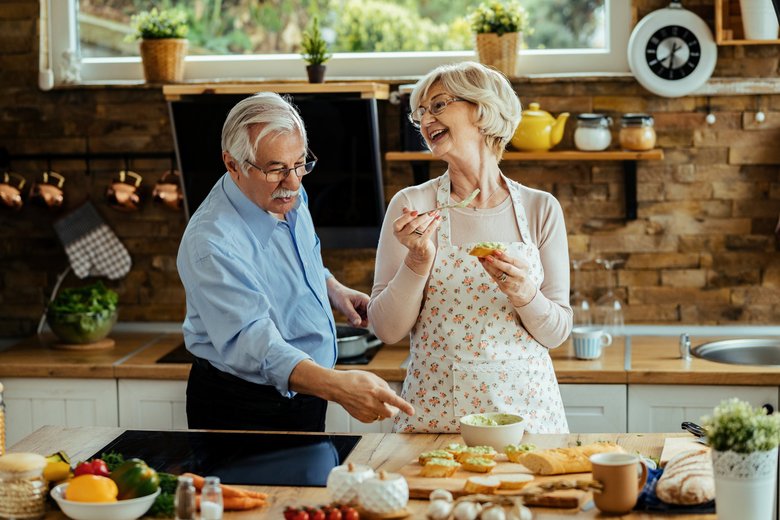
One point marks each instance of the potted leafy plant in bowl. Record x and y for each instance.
(744, 443)
(83, 315)
(499, 25)
(315, 52)
(163, 35)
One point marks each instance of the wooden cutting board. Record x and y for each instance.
(421, 487)
(675, 445)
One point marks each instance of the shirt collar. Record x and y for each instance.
(261, 222)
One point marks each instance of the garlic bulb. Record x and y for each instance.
(520, 512)
(466, 511)
(441, 494)
(439, 510)
(493, 513)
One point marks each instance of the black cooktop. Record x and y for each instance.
(260, 459)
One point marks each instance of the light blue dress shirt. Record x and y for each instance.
(257, 303)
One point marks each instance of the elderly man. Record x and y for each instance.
(259, 319)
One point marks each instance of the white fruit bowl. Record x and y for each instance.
(476, 431)
(120, 510)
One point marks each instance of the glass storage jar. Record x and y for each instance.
(23, 489)
(593, 132)
(637, 132)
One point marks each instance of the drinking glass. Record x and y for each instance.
(609, 308)
(581, 305)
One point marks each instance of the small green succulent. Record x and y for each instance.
(498, 16)
(158, 24)
(735, 425)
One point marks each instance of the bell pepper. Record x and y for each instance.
(135, 479)
(93, 467)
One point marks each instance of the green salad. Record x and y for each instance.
(95, 298)
(83, 314)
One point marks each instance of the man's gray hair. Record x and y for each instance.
(276, 114)
(498, 108)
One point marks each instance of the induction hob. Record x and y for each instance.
(260, 459)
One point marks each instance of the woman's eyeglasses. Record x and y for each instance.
(279, 174)
(436, 107)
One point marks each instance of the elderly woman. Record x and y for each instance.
(480, 327)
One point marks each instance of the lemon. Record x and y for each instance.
(91, 488)
(56, 471)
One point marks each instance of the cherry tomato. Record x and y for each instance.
(301, 515)
(349, 513)
(290, 512)
(333, 514)
(317, 514)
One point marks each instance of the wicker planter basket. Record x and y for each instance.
(499, 52)
(163, 59)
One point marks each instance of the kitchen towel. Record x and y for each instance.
(92, 247)
(649, 501)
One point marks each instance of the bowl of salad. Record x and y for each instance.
(83, 314)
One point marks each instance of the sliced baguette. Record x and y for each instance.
(478, 464)
(559, 461)
(483, 485)
(514, 481)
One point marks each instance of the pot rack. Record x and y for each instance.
(6, 158)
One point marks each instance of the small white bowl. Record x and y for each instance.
(509, 430)
(120, 510)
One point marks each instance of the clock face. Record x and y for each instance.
(673, 52)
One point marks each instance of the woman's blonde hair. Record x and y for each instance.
(498, 108)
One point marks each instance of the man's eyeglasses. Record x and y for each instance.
(279, 174)
(436, 107)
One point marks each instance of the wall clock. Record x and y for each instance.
(671, 51)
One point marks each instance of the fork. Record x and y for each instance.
(462, 204)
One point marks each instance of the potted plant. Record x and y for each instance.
(315, 52)
(163, 43)
(744, 444)
(499, 25)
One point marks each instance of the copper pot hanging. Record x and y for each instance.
(47, 192)
(167, 191)
(124, 192)
(11, 194)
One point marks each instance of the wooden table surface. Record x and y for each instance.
(380, 451)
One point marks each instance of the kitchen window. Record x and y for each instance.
(249, 39)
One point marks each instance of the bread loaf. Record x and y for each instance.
(564, 460)
(687, 479)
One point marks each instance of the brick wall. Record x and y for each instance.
(701, 251)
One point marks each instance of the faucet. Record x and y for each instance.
(685, 346)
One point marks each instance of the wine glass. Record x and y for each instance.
(609, 308)
(581, 305)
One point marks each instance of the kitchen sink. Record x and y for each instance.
(747, 351)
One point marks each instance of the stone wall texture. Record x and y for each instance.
(703, 250)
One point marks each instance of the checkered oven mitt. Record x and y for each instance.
(92, 247)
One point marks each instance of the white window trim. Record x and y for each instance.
(343, 65)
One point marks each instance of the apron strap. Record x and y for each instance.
(443, 234)
(520, 216)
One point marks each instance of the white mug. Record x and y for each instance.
(588, 341)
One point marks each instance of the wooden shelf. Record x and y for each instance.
(421, 161)
(366, 90)
(565, 155)
(728, 25)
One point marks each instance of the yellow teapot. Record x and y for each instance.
(538, 131)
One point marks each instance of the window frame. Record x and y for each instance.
(612, 59)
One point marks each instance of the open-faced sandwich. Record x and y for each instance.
(439, 468)
(483, 249)
(435, 454)
(484, 452)
(478, 464)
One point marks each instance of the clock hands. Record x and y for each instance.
(675, 48)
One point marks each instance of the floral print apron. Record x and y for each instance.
(469, 350)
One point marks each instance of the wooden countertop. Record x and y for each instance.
(380, 451)
(650, 360)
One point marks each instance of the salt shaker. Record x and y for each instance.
(184, 501)
(211, 500)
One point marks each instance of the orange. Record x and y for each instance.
(91, 488)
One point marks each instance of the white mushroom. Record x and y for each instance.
(439, 510)
(441, 494)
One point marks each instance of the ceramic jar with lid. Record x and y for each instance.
(593, 132)
(343, 481)
(22, 486)
(637, 132)
(384, 494)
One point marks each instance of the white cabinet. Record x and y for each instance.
(337, 420)
(595, 408)
(35, 402)
(661, 408)
(153, 404)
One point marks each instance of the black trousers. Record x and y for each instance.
(220, 401)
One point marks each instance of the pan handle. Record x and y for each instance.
(373, 343)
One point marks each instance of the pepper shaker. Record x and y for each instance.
(184, 501)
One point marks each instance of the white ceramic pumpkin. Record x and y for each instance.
(384, 493)
(343, 482)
